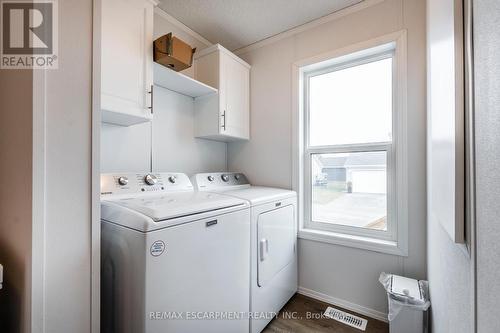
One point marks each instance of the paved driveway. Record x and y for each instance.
(353, 209)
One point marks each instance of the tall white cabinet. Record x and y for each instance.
(224, 116)
(127, 61)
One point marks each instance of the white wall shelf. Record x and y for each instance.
(179, 82)
(124, 118)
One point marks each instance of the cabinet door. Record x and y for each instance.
(235, 98)
(126, 65)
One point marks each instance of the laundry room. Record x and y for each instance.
(247, 126)
(248, 166)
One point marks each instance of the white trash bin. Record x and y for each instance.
(408, 303)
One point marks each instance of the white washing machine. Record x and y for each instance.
(273, 241)
(173, 260)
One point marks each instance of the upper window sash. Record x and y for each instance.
(349, 62)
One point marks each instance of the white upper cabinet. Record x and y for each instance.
(223, 116)
(126, 61)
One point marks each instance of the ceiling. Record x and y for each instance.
(238, 23)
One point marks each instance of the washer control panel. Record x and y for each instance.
(129, 183)
(218, 180)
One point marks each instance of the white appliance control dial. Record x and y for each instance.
(123, 181)
(150, 179)
(210, 178)
(172, 179)
(225, 178)
(237, 176)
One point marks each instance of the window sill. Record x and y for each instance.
(359, 242)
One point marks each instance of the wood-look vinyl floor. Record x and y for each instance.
(303, 307)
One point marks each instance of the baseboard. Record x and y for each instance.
(343, 304)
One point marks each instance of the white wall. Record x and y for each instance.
(449, 274)
(449, 265)
(174, 145)
(454, 293)
(125, 149)
(487, 117)
(341, 273)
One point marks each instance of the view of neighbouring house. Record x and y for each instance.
(350, 189)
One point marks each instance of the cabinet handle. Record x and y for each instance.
(224, 120)
(151, 99)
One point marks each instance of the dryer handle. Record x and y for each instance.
(264, 249)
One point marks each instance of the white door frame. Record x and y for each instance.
(96, 169)
(39, 188)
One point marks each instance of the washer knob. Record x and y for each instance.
(225, 178)
(172, 179)
(210, 178)
(150, 179)
(123, 181)
(237, 176)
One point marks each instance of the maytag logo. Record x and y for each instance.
(29, 34)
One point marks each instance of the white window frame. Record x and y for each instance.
(395, 239)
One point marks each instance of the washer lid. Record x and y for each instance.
(260, 194)
(174, 205)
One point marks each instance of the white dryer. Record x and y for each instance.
(273, 241)
(173, 260)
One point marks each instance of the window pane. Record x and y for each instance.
(352, 105)
(350, 189)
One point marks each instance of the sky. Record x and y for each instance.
(352, 105)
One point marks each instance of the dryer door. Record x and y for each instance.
(275, 242)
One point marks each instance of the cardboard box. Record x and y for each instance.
(173, 53)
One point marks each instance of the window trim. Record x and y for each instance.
(368, 51)
(388, 147)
